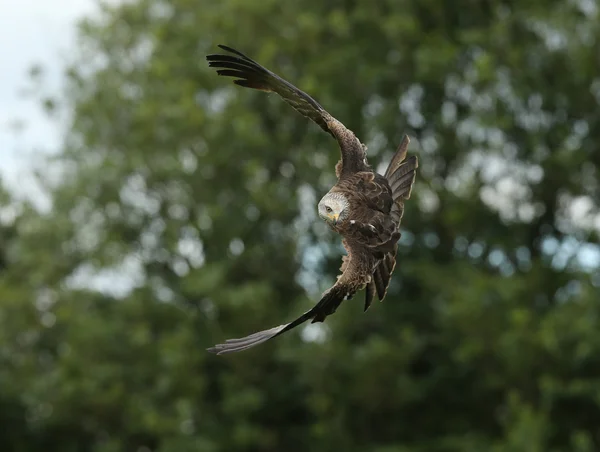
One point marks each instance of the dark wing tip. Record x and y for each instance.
(248, 73)
(232, 50)
(227, 48)
(259, 77)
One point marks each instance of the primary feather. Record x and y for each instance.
(250, 74)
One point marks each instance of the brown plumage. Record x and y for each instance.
(364, 207)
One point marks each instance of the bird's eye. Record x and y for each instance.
(328, 209)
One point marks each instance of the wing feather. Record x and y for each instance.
(251, 74)
(398, 157)
(349, 282)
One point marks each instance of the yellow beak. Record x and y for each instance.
(333, 218)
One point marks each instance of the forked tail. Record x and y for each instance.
(400, 174)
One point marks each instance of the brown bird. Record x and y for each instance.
(364, 207)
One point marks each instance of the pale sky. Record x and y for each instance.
(31, 31)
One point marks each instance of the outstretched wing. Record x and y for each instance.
(250, 74)
(352, 279)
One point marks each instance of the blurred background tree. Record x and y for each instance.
(183, 213)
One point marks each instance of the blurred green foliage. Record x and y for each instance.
(199, 197)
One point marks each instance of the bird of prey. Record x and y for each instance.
(364, 207)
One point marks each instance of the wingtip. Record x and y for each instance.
(232, 50)
(213, 56)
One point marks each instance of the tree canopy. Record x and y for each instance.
(184, 213)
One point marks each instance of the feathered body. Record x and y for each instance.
(364, 207)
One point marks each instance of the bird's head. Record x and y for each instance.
(333, 208)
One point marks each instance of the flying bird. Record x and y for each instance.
(364, 207)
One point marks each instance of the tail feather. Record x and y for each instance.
(403, 179)
(398, 157)
(384, 271)
(402, 185)
(369, 295)
(403, 170)
(380, 283)
(383, 274)
(400, 173)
